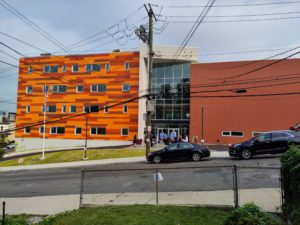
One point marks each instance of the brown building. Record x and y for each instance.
(240, 99)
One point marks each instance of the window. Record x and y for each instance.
(233, 133)
(50, 69)
(45, 88)
(90, 108)
(73, 108)
(124, 132)
(29, 89)
(79, 88)
(63, 108)
(78, 130)
(75, 68)
(98, 131)
(30, 69)
(125, 109)
(107, 66)
(41, 130)
(92, 67)
(57, 130)
(52, 108)
(59, 88)
(126, 87)
(63, 68)
(27, 130)
(98, 87)
(237, 133)
(106, 109)
(126, 66)
(27, 108)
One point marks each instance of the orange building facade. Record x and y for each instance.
(74, 85)
(233, 101)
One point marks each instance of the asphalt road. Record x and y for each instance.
(138, 177)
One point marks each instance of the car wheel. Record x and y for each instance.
(196, 156)
(246, 154)
(157, 159)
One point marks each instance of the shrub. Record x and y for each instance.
(2, 152)
(291, 182)
(15, 221)
(250, 214)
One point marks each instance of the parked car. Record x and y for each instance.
(273, 142)
(11, 147)
(178, 152)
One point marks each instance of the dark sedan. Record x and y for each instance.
(273, 142)
(178, 152)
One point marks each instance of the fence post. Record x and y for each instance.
(282, 179)
(81, 187)
(156, 185)
(3, 213)
(235, 186)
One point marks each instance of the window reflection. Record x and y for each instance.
(171, 83)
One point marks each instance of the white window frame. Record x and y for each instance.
(122, 131)
(27, 89)
(126, 66)
(27, 108)
(97, 130)
(76, 130)
(70, 109)
(63, 68)
(57, 89)
(73, 68)
(77, 88)
(124, 89)
(125, 107)
(40, 128)
(230, 133)
(49, 107)
(106, 109)
(30, 70)
(44, 88)
(63, 108)
(25, 131)
(56, 128)
(107, 67)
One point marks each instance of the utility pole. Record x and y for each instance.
(86, 137)
(148, 38)
(44, 127)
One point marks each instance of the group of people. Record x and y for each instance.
(163, 137)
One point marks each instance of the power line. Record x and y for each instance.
(72, 116)
(242, 96)
(26, 43)
(236, 21)
(230, 5)
(32, 25)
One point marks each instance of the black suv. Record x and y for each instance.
(273, 142)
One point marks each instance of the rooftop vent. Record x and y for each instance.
(46, 54)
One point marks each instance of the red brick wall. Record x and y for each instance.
(245, 114)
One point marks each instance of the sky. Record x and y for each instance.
(233, 30)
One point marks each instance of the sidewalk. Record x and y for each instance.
(214, 154)
(49, 205)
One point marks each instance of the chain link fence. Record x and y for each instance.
(228, 186)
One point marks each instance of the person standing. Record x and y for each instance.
(134, 140)
(173, 135)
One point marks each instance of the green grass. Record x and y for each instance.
(75, 155)
(140, 215)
